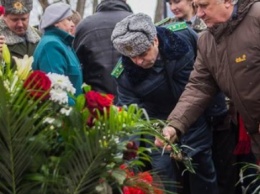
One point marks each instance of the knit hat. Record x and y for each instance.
(134, 35)
(17, 6)
(55, 13)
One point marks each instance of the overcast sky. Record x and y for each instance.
(145, 6)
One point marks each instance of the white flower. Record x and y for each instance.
(66, 111)
(24, 66)
(58, 95)
(49, 120)
(61, 82)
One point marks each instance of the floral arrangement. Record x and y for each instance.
(50, 145)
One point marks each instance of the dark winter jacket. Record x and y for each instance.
(158, 89)
(94, 47)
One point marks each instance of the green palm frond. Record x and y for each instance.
(90, 153)
(84, 162)
(18, 126)
(66, 156)
(255, 177)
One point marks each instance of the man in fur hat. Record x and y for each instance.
(155, 66)
(20, 38)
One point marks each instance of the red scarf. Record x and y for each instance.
(243, 146)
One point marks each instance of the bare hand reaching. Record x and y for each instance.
(170, 134)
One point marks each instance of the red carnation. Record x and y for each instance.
(145, 177)
(132, 190)
(96, 100)
(37, 84)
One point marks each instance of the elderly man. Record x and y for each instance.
(228, 60)
(155, 68)
(20, 38)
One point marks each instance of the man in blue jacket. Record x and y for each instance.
(155, 68)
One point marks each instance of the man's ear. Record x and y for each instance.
(228, 3)
(156, 41)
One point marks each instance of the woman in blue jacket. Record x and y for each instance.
(54, 52)
(156, 66)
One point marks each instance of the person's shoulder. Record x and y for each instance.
(49, 42)
(118, 69)
(177, 26)
(204, 34)
(181, 28)
(254, 10)
(164, 21)
(172, 24)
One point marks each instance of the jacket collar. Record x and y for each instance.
(238, 15)
(171, 47)
(112, 5)
(64, 36)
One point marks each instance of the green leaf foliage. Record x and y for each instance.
(20, 121)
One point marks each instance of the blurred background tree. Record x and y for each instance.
(82, 6)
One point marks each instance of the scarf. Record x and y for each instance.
(243, 146)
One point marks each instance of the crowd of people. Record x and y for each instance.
(197, 71)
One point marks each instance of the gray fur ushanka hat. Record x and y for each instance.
(134, 34)
(17, 6)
